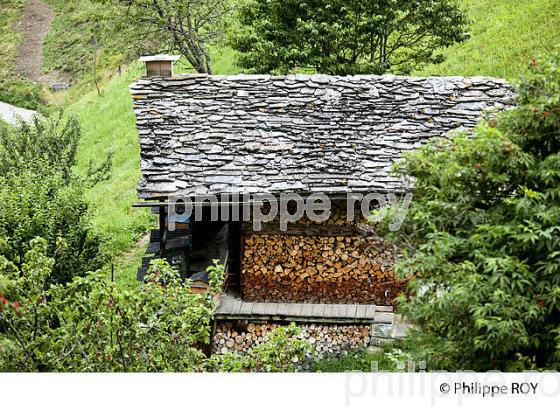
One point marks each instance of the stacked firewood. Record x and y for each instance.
(328, 269)
(326, 339)
(338, 215)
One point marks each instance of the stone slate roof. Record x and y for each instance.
(298, 133)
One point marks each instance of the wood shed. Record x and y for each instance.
(238, 137)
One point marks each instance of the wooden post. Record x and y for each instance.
(162, 230)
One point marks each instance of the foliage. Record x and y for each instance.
(483, 237)
(346, 37)
(5, 344)
(41, 143)
(185, 26)
(393, 356)
(42, 196)
(505, 35)
(89, 324)
(357, 361)
(81, 36)
(281, 351)
(14, 90)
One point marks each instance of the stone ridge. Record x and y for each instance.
(253, 134)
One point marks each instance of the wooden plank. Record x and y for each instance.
(328, 310)
(361, 311)
(356, 311)
(246, 308)
(318, 310)
(381, 308)
(236, 306)
(350, 311)
(306, 309)
(226, 304)
(341, 311)
(270, 309)
(283, 309)
(338, 310)
(258, 308)
(334, 313)
(370, 311)
(295, 309)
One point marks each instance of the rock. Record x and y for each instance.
(59, 86)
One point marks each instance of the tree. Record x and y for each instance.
(185, 26)
(482, 237)
(346, 37)
(42, 195)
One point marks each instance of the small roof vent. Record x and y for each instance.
(160, 65)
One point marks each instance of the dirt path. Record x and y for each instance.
(35, 22)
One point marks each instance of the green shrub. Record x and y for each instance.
(42, 196)
(89, 324)
(342, 37)
(483, 237)
(394, 356)
(282, 350)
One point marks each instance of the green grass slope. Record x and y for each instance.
(14, 90)
(505, 35)
(108, 126)
(68, 46)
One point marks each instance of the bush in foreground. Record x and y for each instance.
(42, 195)
(89, 324)
(483, 237)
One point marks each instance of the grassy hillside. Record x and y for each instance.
(69, 46)
(108, 126)
(13, 89)
(505, 36)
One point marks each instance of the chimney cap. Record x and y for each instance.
(159, 57)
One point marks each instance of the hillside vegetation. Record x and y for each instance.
(505, 35)
(13, 89)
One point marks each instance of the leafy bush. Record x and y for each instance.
(281, 351)
(90, 324)
(483, 236)
(41, 195)
(357, 361)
